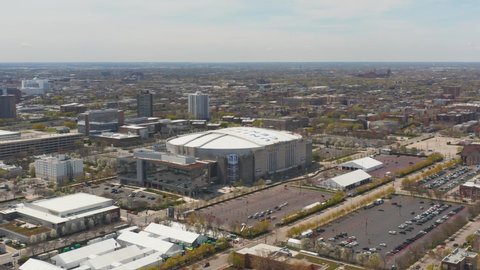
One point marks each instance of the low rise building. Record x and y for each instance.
(176, 235)
(75, 108)
(259, 256)
(65, 215)
(9, 135)
(471, 154)
(165, 171)
(116, 139)
(74, 258)
(59, 169)
(98, 121)
(470, 190)
(9, 170)
(460, 259)
(37, 143)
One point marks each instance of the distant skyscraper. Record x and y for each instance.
(198, 105)
(35, 86)
(145, 104)
(7, 106)
(12, 91)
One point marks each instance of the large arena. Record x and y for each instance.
(246, 153)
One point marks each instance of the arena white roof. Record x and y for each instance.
(351, 178)
(366, 164)
(236, 137)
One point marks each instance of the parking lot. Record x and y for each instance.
(280, 200)
(393, 163)
(130, 198)
(449, 179)
(389, 227)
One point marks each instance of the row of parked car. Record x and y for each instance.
(448, 181)
(267, 212)
(421, 233)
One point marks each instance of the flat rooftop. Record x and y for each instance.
(70, 202)
(7, 132)
(31, 135)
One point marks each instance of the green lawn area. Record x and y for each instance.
(27, 232)
(331, 265)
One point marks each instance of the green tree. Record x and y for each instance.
(39, 126)
(70, 124)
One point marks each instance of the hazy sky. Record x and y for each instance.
(239, 30)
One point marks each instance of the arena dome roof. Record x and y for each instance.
(234, 138)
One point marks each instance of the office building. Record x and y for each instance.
(12, 91)
(8, 107)
(59, 169)
(145, 104)
(98, 121)
(35, 86)
(37, 143)
(175, 173)
(198, 106)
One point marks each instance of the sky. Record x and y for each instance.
(239, 30)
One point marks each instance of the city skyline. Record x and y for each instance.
(240, 31)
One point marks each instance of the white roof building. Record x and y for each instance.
(143, 240)
(116, 258)
(175, 235)
(347, 181)
(75, 257)
(63, 209)
(154, 259)
(34, 264)
(367, 164)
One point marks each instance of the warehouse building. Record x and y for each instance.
(246, 153)
(65, 215)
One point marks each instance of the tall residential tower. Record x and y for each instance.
(198, 105)
(145, 104)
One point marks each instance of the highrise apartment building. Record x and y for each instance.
(198, 105)
(145, 104)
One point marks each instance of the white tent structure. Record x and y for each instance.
(75, 257)
(366, 164)
(348, 181)
(176, 235)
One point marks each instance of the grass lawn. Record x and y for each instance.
(24, 231)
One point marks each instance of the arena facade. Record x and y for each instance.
(246, 153)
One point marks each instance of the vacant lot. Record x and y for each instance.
(393, 163)
(237, 211)
(439, 144)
